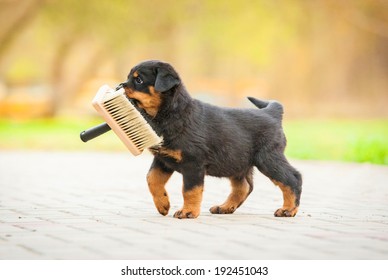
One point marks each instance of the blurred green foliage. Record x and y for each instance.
(320, 58)
(340, 140)
(344, 140)
(24, 68)
(53, 134)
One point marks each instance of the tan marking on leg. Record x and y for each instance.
(157, 180)
(239, 193)
(289, 208)
(191, 204)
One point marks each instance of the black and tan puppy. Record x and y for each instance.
(200, 139)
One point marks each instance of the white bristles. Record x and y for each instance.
(125, 120)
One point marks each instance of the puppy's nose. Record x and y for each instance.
(122, 85)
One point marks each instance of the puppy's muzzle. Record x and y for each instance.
(122, 85)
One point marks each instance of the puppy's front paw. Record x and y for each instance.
(187, 213)
(282, 212)
(162, 204)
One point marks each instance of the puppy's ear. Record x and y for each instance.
(166, 79)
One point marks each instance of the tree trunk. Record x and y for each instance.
(14, 17)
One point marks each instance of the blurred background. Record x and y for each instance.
(326, 61)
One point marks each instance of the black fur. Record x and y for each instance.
(215, 141)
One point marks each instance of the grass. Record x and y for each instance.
(337, 140)
(340, 140)
(53, 134)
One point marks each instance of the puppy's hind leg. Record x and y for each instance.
(287, 178)
(241, 188)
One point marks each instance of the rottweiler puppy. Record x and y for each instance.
(201, 139)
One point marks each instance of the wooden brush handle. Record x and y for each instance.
(93, 132)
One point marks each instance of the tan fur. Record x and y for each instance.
(239, 192)
(175, 154)
(149, 102)
(191, 203)
(157, 180)
(289, 208)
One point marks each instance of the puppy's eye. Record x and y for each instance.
(138, 80)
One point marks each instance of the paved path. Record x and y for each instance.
(97, 206)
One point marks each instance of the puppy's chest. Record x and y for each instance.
(171, 155)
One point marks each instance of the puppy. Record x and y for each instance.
(201, 139)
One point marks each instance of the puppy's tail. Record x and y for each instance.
(273, 107)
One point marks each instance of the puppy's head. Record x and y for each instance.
(149, 83)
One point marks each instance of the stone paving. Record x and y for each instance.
(58, 205)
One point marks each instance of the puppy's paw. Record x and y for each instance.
(162, 204)
(222, 209)
(187, 213)
(282, 212)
